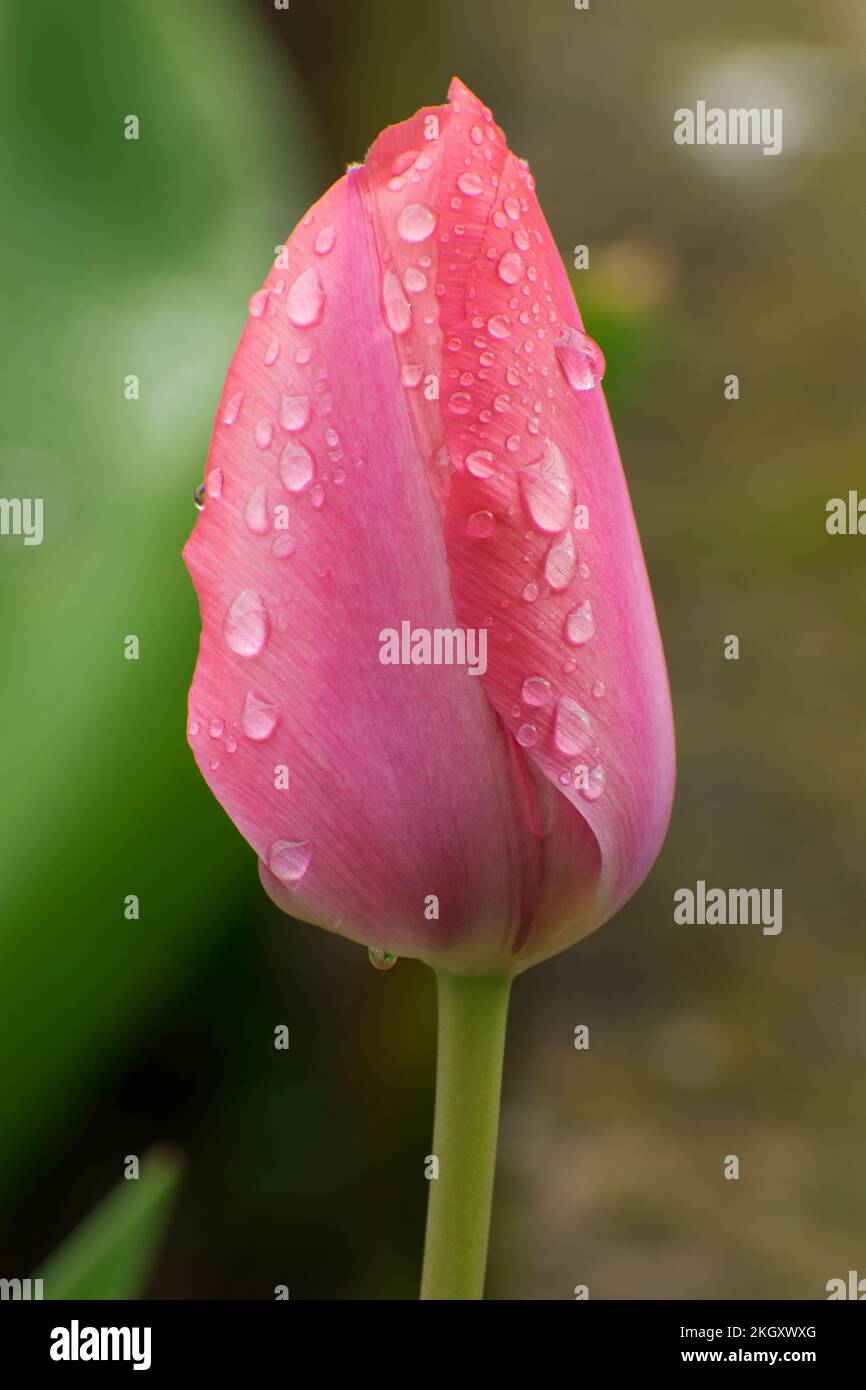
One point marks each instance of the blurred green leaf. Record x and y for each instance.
(124, 257)
(110, 1255)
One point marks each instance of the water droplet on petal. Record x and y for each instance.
(233, 405)
(415, 222)
(263, 434)
(480, 463)
(294, 413)
(317, 496)
(572, 730)
(288, 860)
(258, 303)
(480, 525)
(305, 303)
(547, 491)
(580, 624)
(470, 184)
(598, 689)
(415, 280)
(259, 716)
(512, 207)
(560, 563)
(214, 483)
(460, 403)
(594, 785)
(510, 268)
(256, 512)
(397, 308)
(325, 241)
(273, 352)
(527, 735)
(530, 592)
(246, 625)
(498, 326)
(198, 496)
(216, 728)
(296, 466)
(536, 691)
(283, 546)
(581, 360)
(411, 374)
(381, 960)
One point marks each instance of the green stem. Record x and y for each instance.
(472, 1016)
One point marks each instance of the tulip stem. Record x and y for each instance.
(472, 1016)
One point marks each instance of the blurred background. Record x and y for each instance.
(304, 1167)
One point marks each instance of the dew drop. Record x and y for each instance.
(598, 689)
(283, 546)
(480, 525)
(288, 860)
(502, 403)
(510, 268)
(530, 592)
(216, 728)
(317, 496)
(214, 483)
(259, 716)
(381, 960)
(595, 784)
(233, 405)
(512, 207)
(580, 624)
(460, 403)
(414, 280)
(305, 302)
(527, 735)
(480, 463)
(415, 222)
(547, 491)
(256, 512)
(470, 184)
(198, 496)
(325, 241)
(560, 563)
(581, 360)
(263, 434)
(273, 352)
(411, 374)
(294, 413)
(296, 466)
(498, 326)
(398, 312)
(536, 691)
(258, 303)
(246, 625)
(571, 730)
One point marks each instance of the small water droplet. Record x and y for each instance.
(581, 359)
(325, 241)
(480, 525)
(510, 268)
(415, 280)
(547, 491)
(580, 624)
(246, 625)
(415, 222)
(198, 496)
(411, 374)
(216, 728)
(498, 326)
(527, 735)
(273, 352)
(598, 689)
(470, 184)
(288, 860)
(536, 691)
(530, 592)
(296, 466)
(595, 785)
(231, 744)
(263, 434)
(214, 483)
(233, 405)
(381, 960)
(259, 716)
(398, 311)
(560, 563)
(572, 729)
(305, 303)
(256, 512)
(480, 463)
(258, 303)
(512, 207)
(194, 728)
(294, 413)
(460, 403)
(317, 496)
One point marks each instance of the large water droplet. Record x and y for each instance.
(325, 240)
(560, 563)
(288, 860)
(460, 403)
(580, 624)
(499, 326)
(397, 309)
(547, 491)
(296, 466)
(294, 413)
(480, 463)
(581, 359)
(246, 625)
(415, 280)
(381, 960)
(470, 184)
(256, 512)
(305, 302)
(259, 716)
(572, 730)
(415, 222)
(480, 525)
(536, 691)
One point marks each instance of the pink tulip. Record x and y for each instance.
(412, 431)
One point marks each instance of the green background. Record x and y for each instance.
(306, 1167)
